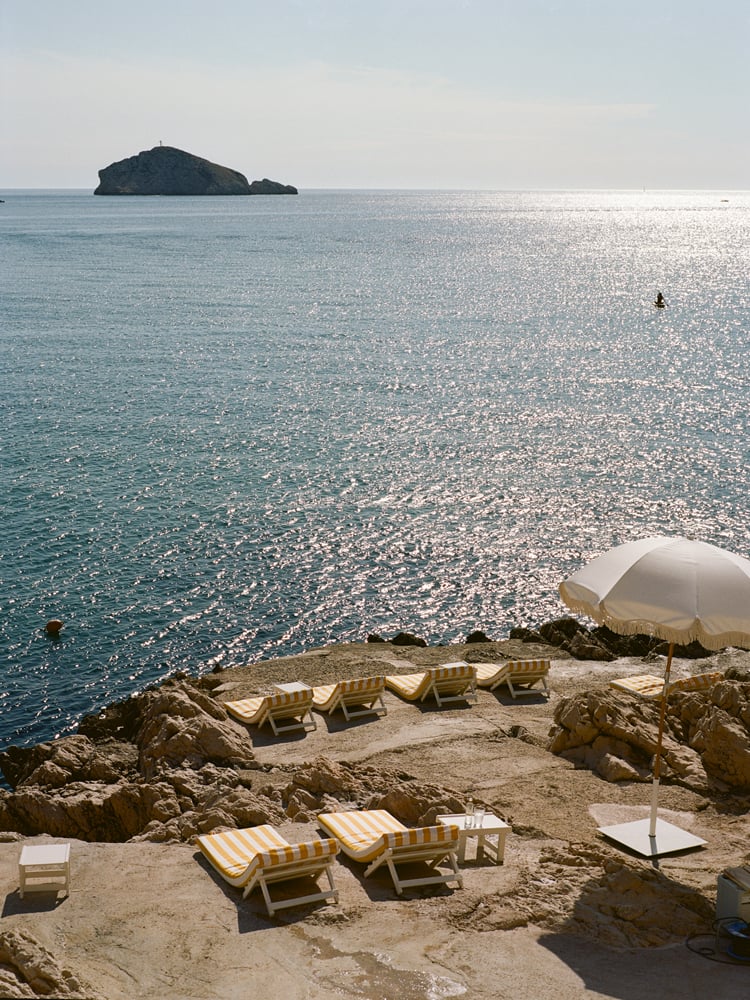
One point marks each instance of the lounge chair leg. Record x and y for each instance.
(394, 877)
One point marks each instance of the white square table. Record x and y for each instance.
(48, 862)
(292, 686)
(490, 836)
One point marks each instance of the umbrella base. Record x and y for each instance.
(667, 840)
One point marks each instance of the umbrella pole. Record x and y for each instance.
(659, 740)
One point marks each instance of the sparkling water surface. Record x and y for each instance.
(234, 428)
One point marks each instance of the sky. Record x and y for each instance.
(425, 94)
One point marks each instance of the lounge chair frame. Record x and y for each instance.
(290, 707)
(446, 683)
(650, 686)
(292, 870)
(265, 867)
(392, 857)
(520, 676)
(355, 698)
(377, 837)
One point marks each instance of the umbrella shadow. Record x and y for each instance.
(632, 934)
(633, 974)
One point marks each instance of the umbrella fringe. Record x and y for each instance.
(680, 637)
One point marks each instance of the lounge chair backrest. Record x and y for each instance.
(355, 697)
(251, 709)
(527, 668)
(291, 853)
(698, 682)
(282, 699)
(453, 678)
(358, 685)
(377, 838)
(650, 686)
(451, 671)
(420, 835)
(446, 682)
(520, 676)
(259, 857)
(274, 707)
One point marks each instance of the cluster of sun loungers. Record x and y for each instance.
(291, 706)
(259, 857)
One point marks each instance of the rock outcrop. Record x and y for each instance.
(601, 643)
(706, 745)
(169, 764)
(271, 187)
(165, 170)
(29, 969)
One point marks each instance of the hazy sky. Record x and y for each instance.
(392, 94)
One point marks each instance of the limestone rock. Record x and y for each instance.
(72, 758)
(183, 725)
(586, 893)
(326, 784)
(601, 643)
(706, 743)
(724, 745)
(165, 170)
(271, 187)
(526, 634)
(588, 650)
(407, 639)
(476, 636)
(28, 969)
(417, 805)
(183, 756)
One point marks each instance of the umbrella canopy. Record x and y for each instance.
(676, 589)
(673, 588)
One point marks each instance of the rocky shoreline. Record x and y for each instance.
(139, 780)
(168, 764)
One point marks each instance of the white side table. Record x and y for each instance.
(292, 686)
(48, 862)
(490, 836)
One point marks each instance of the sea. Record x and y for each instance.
(238, 428)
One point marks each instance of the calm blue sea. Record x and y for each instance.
(234, 428)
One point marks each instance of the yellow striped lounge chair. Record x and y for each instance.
(259, 856)
(291, 707)
(361, 696)
(650, 686)
(520, 676)
(448, 682)
(374, 837)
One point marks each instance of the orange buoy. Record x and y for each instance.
(53, 626)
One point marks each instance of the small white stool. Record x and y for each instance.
(48, 862)
(490, 836)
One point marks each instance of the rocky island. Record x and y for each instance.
(165, 170)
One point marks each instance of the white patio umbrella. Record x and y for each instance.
(678, 590)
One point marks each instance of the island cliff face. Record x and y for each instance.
(165, 170)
